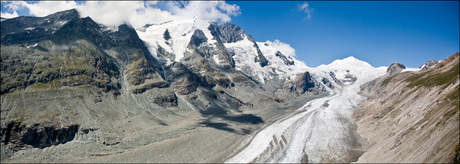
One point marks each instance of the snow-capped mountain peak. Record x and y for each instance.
(347, 63)
(347, 72)
(180, 32)
(260, 60)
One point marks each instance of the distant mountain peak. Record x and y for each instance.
(349, 63)
(428, 65)
(395, 68)
(70, 13)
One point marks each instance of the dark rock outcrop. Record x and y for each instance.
(301, 84)
(327, 83)
(349, 78)
(183, 80)
(37, 136)
(197, 39)
(261, 58)
(284, 58)
(395, 68)
(166, 35)
(166, 99)
(230, 33)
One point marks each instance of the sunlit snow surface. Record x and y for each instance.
(180, 30)
(277, 65)
(321, 129)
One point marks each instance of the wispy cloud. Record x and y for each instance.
(135, 13)
(305, 7)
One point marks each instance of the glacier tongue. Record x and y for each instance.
(323, 130)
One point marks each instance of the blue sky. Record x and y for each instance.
(377, 32)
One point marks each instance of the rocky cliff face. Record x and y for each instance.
(229, 33)
(412, 116)
(301, 84)
(69, 84)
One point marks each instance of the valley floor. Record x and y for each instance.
(201, 144)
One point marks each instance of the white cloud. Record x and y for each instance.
(13, 7)
(135, 13)
(284, 48)
(41, 8)
(9, 15)
(305, 7)
(204, 11)
(118, 12)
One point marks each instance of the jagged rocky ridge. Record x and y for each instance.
(66, 78)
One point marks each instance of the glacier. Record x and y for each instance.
(321, 130)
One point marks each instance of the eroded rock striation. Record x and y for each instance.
(412, 116)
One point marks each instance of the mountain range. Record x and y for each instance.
(73, 90)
